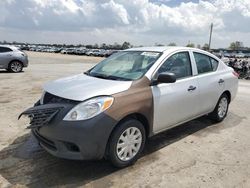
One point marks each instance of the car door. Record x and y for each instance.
(210, 81)
(5, 57)
(176, 102)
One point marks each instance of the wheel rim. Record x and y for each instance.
(16, 66)
(129, 144)
(222, 109)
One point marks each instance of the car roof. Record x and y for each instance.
(159, 48)
(171, 49)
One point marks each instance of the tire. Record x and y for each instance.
(221, 109)
(15, 66)
(129, 150)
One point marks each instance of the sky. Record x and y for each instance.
(140, 22)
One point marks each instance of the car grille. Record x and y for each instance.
(44, 141)
(41, 117)
(49, 99)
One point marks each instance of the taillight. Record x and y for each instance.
(235, 74)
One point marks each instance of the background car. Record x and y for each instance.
(12, 59)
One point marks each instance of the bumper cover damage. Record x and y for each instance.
(41, 115)
(78, 140)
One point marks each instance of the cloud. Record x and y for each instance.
(137, 20)
(117, 11)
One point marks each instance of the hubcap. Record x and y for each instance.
(222, 109)
(129, 143)
(16, 66)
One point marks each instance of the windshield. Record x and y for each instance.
(125, 65)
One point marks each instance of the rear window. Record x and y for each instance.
(5, 49)
(205, 63)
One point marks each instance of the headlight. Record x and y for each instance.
(89, 108)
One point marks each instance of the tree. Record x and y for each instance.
(116, 46)
(205, 47)
(236, 45)
(157, 44)
(232, 46)
(103, 46)
(96, 46)
(89, 46)
(198, 46)
(191, 45)
(172, 44)
(126, 45)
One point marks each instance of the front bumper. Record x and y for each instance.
(78, 140)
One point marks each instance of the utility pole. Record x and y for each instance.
(210, 36)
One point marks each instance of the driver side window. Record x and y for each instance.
(179, 64)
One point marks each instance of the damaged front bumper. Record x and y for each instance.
(41, 115)
(79, 140)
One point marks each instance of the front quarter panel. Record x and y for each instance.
(137, 99)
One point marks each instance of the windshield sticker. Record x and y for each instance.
(150, 54)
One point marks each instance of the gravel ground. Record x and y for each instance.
(195, 154)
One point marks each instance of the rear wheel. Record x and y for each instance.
(220, 111)
(15, 66)
(126, 143)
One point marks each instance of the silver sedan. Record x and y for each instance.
(12, 59)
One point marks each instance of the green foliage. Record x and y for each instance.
(236, 45)
(191, 45)
(172, 44)
(126, 45)
(205, 47)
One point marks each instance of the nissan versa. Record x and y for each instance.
(110, 110)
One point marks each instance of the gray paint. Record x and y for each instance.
(14, 55)
(81, 87)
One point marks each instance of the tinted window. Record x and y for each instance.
(215, 63)
(179, 64)
(205, 63)
(5, 49)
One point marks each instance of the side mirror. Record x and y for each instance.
(166, 77)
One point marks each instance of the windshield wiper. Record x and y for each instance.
(118, 78)
(107, 77)
(100, 76)
(87, 73)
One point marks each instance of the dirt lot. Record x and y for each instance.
(196, 154)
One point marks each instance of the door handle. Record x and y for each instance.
(191, 88)
(221, 81)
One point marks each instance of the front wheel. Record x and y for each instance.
(220, 111)
(126, 143)
(15, 66)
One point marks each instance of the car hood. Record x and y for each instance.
(81, 87)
